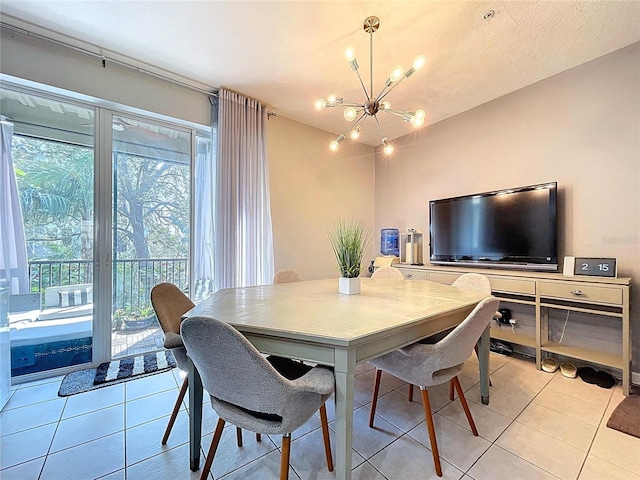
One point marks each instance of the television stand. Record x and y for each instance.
(545, 293)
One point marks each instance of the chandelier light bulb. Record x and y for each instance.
(352, 59)
(319, 104)
(396, 73)
(418, 118)
(419, 62)
(385, 105)
(331, 100)
(350, 114)
(388, 148)
(417, 122)
(333, 146)
(355, 133)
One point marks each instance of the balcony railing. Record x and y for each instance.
(133, 278)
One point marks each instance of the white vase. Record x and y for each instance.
(349, 286)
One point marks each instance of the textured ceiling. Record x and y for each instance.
(288, 53)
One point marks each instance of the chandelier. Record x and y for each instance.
(357, 113)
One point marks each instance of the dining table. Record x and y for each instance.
(312, 322)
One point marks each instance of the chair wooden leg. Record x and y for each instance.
(410, 392)
(212, 449)
(325, 436)
(284, 460)
(451, 394)
(176, 409)
(258, 437)
(432, 430)
(239, 436)
(374, 397)
(465, 406)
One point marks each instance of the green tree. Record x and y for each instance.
(55, 181)
(152, 207)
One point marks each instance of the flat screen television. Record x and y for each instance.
(514, 228)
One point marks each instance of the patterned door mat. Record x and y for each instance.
(116, 371)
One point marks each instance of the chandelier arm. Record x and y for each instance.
(366, 94)
(370, 61)
(350, 104)
(382, 93)
(358, 121)
(381, 97)
(394, 112)
(353, 125)
(379, 128)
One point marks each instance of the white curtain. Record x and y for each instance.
(242, 220)
(14, 269)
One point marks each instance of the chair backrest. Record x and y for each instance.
(170, 304)
(387, 272)
(242, 382)
(455, 348)
(287, 275)
(474, 282)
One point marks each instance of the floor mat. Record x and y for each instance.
(626, 417)
(117, 371)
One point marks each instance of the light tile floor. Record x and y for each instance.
(537, 426)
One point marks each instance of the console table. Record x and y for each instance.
(544, 292)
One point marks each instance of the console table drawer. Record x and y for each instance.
(414, 274)
(443, 277)
(513, 285)
(583, 293)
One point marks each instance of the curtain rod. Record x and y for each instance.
(103, 58)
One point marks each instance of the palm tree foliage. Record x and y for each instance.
(55, 181)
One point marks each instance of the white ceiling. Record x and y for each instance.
(287, 53)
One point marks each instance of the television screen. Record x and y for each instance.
(514, 228)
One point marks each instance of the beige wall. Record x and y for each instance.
(580, 128)
(42, 62)
(310, 188)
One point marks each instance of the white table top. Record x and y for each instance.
(314, 310)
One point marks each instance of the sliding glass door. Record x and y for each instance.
(52, 154)
(151, 225)
(106, 202)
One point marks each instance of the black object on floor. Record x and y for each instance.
(600, 378)
(500, 347)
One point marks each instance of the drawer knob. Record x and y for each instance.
(577, 292)
(408, 275)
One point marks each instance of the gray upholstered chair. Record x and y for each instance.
(170, 304)
(270, 395)
(474, 282)
(467, 281)
(429, 365)
(387, 272)
(287, 275)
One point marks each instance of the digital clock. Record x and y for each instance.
(591, 266)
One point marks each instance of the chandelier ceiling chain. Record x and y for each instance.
(357, 113)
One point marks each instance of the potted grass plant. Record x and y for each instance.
(349, 242)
